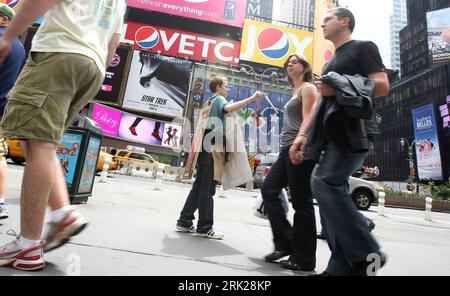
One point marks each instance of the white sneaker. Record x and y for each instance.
(212, 234)
(14, 255)
(190, 229)
(3, 211)
(60, 233)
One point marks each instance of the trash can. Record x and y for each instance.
(78, 154)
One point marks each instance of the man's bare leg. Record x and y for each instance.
(65, 220)
(38, 181)
(59, 197)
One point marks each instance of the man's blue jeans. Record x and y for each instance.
(347, 234)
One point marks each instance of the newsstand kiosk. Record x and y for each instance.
(78, 154)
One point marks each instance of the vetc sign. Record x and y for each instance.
(181, 43)
(270, 44)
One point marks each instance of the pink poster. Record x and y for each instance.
(227, 12)
(108, 119)
(138, 129)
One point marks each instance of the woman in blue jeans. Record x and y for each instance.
(297, 240)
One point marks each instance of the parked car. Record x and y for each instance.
(15, 153)
(363, 192)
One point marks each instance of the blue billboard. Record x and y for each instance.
(428, 155)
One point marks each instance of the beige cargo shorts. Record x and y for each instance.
(49, 93)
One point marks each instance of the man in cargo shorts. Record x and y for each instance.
(65, 69)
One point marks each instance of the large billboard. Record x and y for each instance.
(438, 23)
(183, 44)
(112, 87)
(157, 84)
(227, 12)
(108, 119)
(271, 44)
(428, 154)
(133, 128)
(323, 49)
(138, 129)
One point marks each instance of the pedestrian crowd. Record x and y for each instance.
(329, 125)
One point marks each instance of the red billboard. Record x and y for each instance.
(227, 12)
(182, 43)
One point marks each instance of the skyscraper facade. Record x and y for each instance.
(398, 21)
(423, 82)
(298, 12)
(259, 9)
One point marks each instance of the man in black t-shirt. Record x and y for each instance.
(354, 250)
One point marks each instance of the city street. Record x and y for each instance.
(132, 226)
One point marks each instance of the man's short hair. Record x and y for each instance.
(215, 82)
(341, 13)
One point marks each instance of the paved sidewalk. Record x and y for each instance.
(132, 226)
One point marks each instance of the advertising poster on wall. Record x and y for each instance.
(157, 84)
(110, 91)
(428, 154)
(90, 165)
(67, 153)
(108, 118)
(172, 136)
(271, 44)
(227, 12)
(137, 129)
(438, 23)
(179, 43)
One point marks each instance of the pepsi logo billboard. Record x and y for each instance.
(271, 44)
(181, 43)
(227, 12)
(147, 37)
(12, 3)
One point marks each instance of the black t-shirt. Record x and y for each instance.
(356, 57)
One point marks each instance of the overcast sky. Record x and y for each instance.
(372, 23)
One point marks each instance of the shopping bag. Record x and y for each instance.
(237, 169)
(196, 146)
(259, 209)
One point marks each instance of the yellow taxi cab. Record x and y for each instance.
(15, 153)
(127, 155)
(113, 163)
